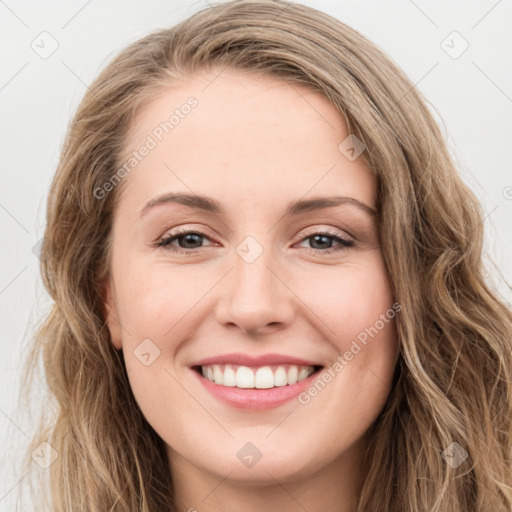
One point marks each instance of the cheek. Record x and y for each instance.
(348, 299)
(155, 299)
(354, 304)
(155, 305)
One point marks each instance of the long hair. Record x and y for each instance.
(452, 388)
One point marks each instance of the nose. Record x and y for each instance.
(255, 297)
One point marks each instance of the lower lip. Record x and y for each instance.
(256, 399)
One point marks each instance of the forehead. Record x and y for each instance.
(248, 137)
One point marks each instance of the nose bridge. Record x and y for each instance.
(253, 281)
(254, 296)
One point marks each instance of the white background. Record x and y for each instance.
(471, 97)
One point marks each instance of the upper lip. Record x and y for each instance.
(260, 360)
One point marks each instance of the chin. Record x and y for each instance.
(272, 465)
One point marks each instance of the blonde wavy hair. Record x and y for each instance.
(453, 379)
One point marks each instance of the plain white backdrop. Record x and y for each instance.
(458, 53)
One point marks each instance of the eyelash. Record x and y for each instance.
(165, 242)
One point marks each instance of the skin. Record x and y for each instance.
(254, 144)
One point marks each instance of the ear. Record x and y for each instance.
(110, 314)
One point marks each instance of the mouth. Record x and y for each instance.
(256, 377)
(255, 381)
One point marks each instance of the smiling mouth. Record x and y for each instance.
(256, 377)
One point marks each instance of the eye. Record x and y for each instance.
(189, 242)
(321, 240)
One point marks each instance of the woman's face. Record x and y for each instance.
(256, 288)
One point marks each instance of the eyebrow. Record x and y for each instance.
(209, 204)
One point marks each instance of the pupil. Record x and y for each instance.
(188, 237)
(326, 240)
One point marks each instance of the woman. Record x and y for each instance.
(268, 284)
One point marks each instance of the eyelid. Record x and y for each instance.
(194, 228)
(340, 233)
(179, 232)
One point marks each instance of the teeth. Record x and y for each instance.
(280, 378)
(264, 377)
(292, 375)
(244, 377)
(218, 376)
(303, 374)
(229, 377)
